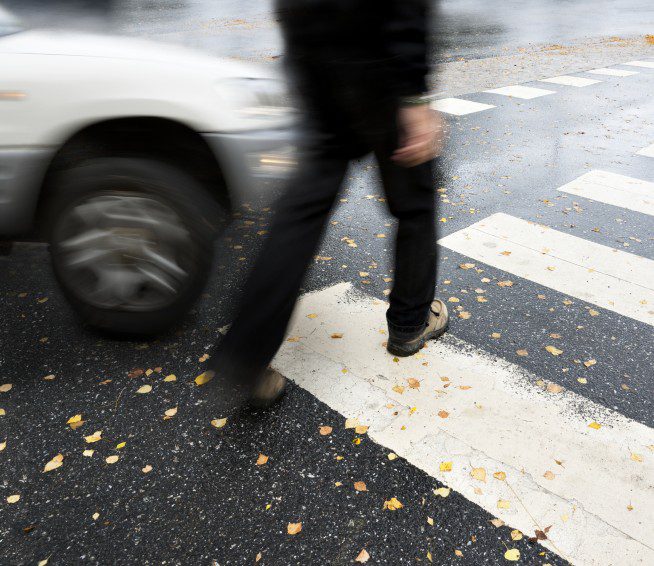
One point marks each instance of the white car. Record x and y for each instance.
(125, 155)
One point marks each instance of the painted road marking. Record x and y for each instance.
(570, 80)
(614, 189)
(613, 72)
(475, 410)
(609, 278)
(645, 64)
(459, 106)
(520, 91)
(647, 151)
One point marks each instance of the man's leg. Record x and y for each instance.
(272, 287)
(411, 198)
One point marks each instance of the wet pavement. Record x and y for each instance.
(183, 491)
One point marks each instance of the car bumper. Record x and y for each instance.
(248, 159)
(21, 174)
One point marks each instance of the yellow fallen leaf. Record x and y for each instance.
(393, 504)
(590, 363)
(144, 389)
(112, 459)
(458, 553)
(548, 475)
(467, 265)
(53, 464)
(262, 459)
(413, 383)
(516, 534)
(442, 491)
(361, 429)
(170, 412)
(465, 315)
(478, 474)
(453, 300)
(503, 504)
(43, 562)
(5, 387)
(499, 476)
(497, 523)
(351, 423)
(120, 445)
(3, 445)
(496, 335)
(554, 388)
(204, 357)
(593, 312)
(294, 528)
(95, 516)
(171, 377)
(146, 469)
(430, 521)
(398, 389)
(219, 423)
(13, 498)
(325, 430)
(204, 377)
(360, 486)
(392, 456)
(49, 377)
(362, 557)
(258, 557)
(312, 315)
(95, 437)
(2, 412)
(88, 453)
(595, 425)
(636, 457)
(513, 555)
(149, 372)
(582, 380)
(505, 283)
(337, 335)
(522, 353)
(553, 350)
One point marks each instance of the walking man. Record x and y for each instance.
(360, 68)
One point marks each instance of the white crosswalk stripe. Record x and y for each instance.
(617, 190)
(520, 91)
(459, 106)
(644, 64)
(570, 80)
(612, 72)
(472, 410)
(609, 278)
(647, 151)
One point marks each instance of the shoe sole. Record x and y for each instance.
(405, 352)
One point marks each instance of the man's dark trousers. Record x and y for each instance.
(345, 123)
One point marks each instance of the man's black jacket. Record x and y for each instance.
(380, 42)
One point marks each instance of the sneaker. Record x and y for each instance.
(269, 390)
(403, 345)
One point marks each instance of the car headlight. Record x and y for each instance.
(256, 98)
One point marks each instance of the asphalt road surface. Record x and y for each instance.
(525, 432)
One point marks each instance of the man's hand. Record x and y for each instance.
(421, 135)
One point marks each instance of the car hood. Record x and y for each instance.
(74, 44)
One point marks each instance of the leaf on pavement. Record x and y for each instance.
(503, 504)
(170, 413)
(351, 423)
(393, 504)
(413, 383)
(392, 456)
(144, 389)
(204, 357)
(361, 429)
(446, 466)
(13, 498)
(590, 363)
(3, 445)
(442, 491)
(360, 486)
(553, 350)
(294, 528)
(53, 464)
(636, 457)
(497, 522)
(337, 335)
(325, 430)
(522, 353)
(262, 459)
(479, 474)
(112, 459)
(204, 377)
(513, 555)
(443, 414)
(362, 557)
(171, 377)
(516, 534)
(88, 453)
(5, 387)
(219, 423)
(95, 437)
(595, 425)
(554, 388)
(549, 475)
(398, 389)
(146, 469)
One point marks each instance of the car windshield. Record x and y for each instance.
(8, 23)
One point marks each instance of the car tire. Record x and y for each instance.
(131, 242)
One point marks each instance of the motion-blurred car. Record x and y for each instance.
(125, 155)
